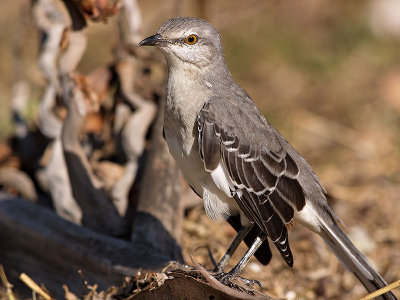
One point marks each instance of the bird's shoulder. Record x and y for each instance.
(237, 120)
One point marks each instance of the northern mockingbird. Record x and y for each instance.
(237, 161)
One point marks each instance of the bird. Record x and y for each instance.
(232, 157)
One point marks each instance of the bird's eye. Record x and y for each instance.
(191, 39)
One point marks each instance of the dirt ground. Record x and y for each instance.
(331, 86)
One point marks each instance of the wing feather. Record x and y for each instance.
(284, 210)
(210, 146)
(276, 167)
(292, 171)
(267, 179)
(230, 162)
(252, 179)
(291, 191)
(263, 174)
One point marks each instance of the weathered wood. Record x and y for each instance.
(97, 212)
(133, 16)
(181, 288)
(190, 288)
(54, 177)
(53, 19)
(132, 128)
(159, 205)
(71, 57)
(51, 250)
(19, 181)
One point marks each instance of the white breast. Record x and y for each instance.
(180, 125)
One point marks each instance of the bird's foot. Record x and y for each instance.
(218, 269)
(231, 278)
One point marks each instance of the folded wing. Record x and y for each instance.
(256, 170)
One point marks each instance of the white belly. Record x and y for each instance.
(183, 148)
(180, 125)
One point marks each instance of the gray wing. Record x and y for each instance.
(263, 177)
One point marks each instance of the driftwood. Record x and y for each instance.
(19, 182)
(133, 133)
(51, 250)
(11, 178)
(52, 18)
(54, 177)
(190, 288)
(130, 126)
(97, 212)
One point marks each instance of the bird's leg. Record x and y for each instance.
(232, 248)
(226, 278)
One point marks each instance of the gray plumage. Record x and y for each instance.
(232, 157)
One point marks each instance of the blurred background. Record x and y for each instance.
(325, 74)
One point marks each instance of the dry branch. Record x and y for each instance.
(19, 182)
(133, 17)
(6, 284)
(133, 138)
(97, 212)
(53, 19)
(131, 126)
(54, 178)
(35, 288)
(382, 291)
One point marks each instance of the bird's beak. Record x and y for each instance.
(153, 40)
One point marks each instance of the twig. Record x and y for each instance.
(382, 291)
(84, 282)
(5, 282)
(33, 286)
(92, 291)
(244, 292)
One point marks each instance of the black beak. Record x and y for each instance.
(153, 40)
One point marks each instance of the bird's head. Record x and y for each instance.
(187, 40)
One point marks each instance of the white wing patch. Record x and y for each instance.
(222, 180)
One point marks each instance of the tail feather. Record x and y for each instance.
(354, 260)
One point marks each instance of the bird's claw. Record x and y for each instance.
(250, 282)
(231, 278)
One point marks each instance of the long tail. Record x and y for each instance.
(354, 260)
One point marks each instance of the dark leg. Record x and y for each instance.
(232, 248)
(246, 257)
(263, 254)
